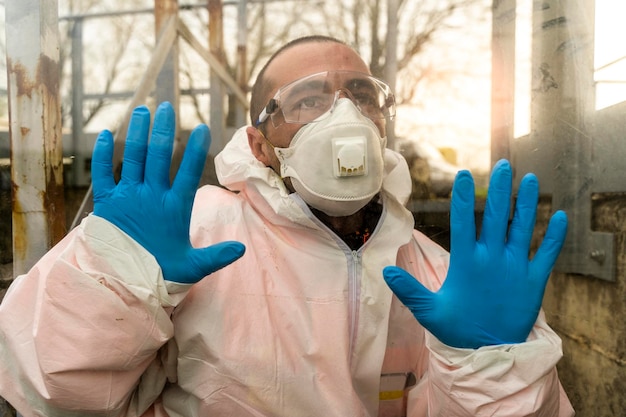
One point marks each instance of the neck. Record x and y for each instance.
(355, 229)
(363, 221)
(343, 225)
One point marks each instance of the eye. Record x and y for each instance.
(368, 102)
(367, 99)
(365, 93)
(306, 107)
(309, 103)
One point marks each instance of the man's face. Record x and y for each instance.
(301, 61)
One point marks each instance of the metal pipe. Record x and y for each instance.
(77, 100)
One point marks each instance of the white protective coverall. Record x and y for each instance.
(299, 326)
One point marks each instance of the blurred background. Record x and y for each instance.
(542, 83)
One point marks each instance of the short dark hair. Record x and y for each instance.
(262, 87)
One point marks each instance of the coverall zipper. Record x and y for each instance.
(354, 286)
(354, 258)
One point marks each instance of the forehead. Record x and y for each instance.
(310, 58)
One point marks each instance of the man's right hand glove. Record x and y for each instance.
(144, 204)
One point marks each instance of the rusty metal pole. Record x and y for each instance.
(35, 129)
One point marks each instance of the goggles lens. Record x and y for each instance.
(308, 98)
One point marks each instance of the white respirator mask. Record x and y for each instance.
(335, 162)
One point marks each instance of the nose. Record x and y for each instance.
(345, 93)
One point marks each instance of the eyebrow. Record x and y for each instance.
(309, 85)
(359, 82)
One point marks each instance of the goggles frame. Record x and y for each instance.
(351, 81)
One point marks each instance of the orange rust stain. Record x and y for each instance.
(46, 83)
(20, 242)
(48, 74)
(25, 85)
(54, 201)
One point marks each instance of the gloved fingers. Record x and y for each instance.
(160, 148)
(548, 252)
(215, 257)
(410, 291)
(498, 206)
(462, 221)
(192, 165)
(102, 164)
(521, 231)
(136, 145)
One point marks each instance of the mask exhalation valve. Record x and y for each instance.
(350, 156)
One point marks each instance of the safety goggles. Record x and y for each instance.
(309, 98)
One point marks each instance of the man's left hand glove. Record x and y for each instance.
(492, 293)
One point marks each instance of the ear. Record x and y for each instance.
(257, 144)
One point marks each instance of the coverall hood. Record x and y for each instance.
(237, 168)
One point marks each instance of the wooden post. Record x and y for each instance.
(216, 47)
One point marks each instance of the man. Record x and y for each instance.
(119, 320)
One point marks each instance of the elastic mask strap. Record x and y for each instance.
(273, 149)
(266, 139)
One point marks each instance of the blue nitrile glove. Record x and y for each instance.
(492, 293)
(146, 207)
